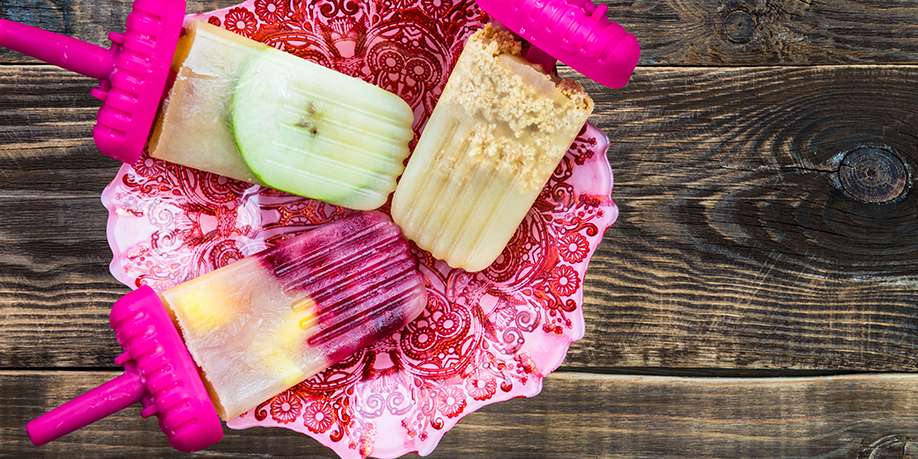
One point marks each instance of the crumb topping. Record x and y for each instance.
(504, 42)
(527, 121)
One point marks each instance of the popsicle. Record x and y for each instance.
(502, 125)
(223, 343)
(245, 110)
(206, 98)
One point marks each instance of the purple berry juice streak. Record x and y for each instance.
(361, 277)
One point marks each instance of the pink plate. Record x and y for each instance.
(485, 337)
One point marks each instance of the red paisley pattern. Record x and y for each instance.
(319, 416)
(564, 280)
(481, 386)
(241, 21)
(272, 10)
(484, 337)
(286, 407)
(574, 248)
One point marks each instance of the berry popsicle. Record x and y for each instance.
(502, 125)
(212, 100)
(227, 341)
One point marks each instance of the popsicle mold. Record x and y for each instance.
(132, 73)
(158, 371)
(575, 32)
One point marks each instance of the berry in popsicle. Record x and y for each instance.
(252, 329)
(267, 322)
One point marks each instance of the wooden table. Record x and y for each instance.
(758, 297)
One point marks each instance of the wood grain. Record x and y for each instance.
(743, 243)
(769, 227)
(771, 32)
(88, 20)
(577, 415)
(738, 245)
(672, 32)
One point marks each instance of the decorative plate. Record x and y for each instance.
(484, 338)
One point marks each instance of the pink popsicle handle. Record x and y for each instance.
(576, 32)
(158, 371)
(60, 50)
(548, 63)
(107, 399)
(132, 74)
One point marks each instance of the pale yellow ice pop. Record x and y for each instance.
(499, 130)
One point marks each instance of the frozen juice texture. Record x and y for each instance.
(193, 128)
(310, 131)
(264, 324)
(242, 109)
(498, 132)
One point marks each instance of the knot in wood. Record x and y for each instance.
(891, 447)
(739, 26)
(874, 175)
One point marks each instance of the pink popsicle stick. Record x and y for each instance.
(56, 49)
(575, 32)
(158, 371)
(98, 403)
(132, 74)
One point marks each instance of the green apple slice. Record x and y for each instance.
(313, 132)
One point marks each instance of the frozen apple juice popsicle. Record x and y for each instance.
(225, 342)
(502, 125)
(200, 96)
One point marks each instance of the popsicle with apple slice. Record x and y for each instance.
(245, 110)
(200, 96)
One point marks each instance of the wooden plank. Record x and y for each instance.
(736, 247)
(86, 19)
(756, 230)
(672, 32)
(577, 415)
(55, 289)
(773, 32)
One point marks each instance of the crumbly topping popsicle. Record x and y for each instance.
(502, 125)
(497, 133)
